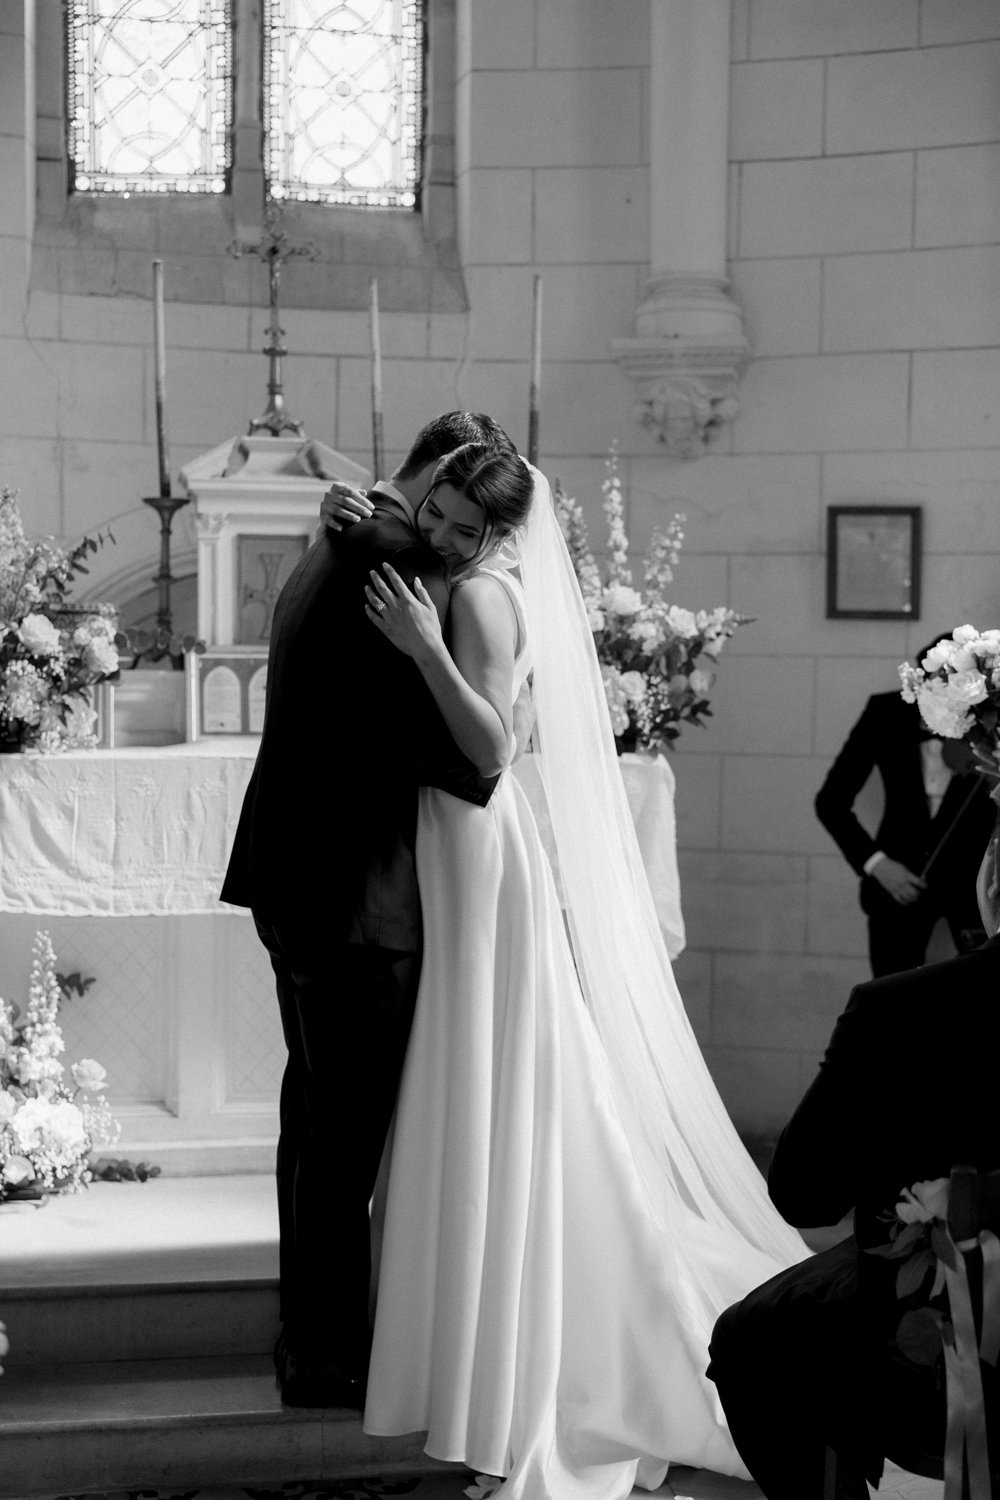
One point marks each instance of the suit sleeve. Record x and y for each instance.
(817, 1162)
(429, 755)
(836, 797)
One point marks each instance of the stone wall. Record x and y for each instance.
(865, 202)
(864, 220)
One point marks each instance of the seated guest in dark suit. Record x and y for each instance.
(921, 862)
(906, 1090)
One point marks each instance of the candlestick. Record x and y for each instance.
(160, 367)
(536, 370)
(376, 346)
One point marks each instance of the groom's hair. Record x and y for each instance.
(446, 433)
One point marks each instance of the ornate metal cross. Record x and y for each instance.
(273, 249)
(267, 595)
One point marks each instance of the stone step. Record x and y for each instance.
(160, 1270)
(186, 1422)
(50, 1325)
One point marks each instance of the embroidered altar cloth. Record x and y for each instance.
(146, 831)
(130, 832)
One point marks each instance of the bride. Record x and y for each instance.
(569, 1207)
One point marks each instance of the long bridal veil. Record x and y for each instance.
(694, 1167)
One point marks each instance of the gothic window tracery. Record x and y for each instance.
(342, 99)
(150, 95)
(150, 87)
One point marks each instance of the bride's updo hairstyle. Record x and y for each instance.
(499, 483)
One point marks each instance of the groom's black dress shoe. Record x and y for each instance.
(304, 1384)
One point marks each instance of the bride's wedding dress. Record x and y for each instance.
(546, 1291)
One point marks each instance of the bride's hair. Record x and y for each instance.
(499, 483)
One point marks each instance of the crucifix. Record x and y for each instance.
(267, 595)
(274, 250)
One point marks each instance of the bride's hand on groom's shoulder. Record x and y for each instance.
(406, 617)
(343, 505)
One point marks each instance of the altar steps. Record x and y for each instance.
(172, 1424)
(141, 1320)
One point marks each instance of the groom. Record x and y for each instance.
(324, 857)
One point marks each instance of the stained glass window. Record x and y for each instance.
(150, 95)
(343, 100)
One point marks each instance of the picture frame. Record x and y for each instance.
(873, 560)
(225, 688)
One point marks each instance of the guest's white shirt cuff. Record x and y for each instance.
(873, 860)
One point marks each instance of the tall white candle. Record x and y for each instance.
(376, 347)
(536, 370)
(160, 377)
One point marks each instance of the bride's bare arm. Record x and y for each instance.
(472, 683)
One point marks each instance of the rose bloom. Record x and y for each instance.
(89, 1075)
(8, 1104)
(101, 656)
(633, 685)
(940, 712)
(30, 1122)
(701, 681)
(682, 621)
(621, 600)
(938, 656)
(968, 687)
(39, 635)
(17, 1169)
(924, 1201)
(66, 1128)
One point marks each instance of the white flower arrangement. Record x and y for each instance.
(47, 1128)
(957, 689)
(50, 655)
(652, 653)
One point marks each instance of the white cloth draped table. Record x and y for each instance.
(146, 831)
(130, 832)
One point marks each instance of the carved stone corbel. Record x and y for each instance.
(689, 349)
(685, 362)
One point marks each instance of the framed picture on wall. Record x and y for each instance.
(873, 562)
(225, 690)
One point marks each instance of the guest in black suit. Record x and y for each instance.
(324, 857)
(921, 863)
(906, 1090)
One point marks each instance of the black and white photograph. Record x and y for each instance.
(499, 749)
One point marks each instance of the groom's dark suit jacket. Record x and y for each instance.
(350, 732)
(887, 738)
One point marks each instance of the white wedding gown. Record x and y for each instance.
(532, 1317)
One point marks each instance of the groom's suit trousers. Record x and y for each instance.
(346, 1011)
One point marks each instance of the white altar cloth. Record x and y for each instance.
(142, 831)
(131, 832)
